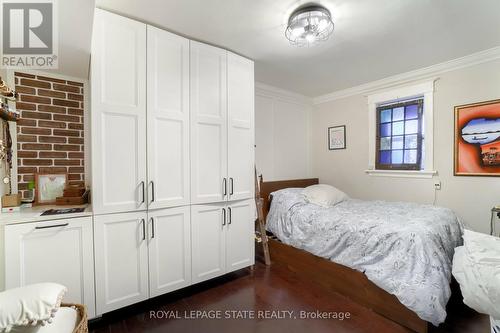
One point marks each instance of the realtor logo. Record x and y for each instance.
(29, 36)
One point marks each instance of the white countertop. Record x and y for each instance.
(32, 214)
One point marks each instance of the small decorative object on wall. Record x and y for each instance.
(336, 137)
(48, 187)
(477, 139)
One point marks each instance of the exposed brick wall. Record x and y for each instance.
(50, 131)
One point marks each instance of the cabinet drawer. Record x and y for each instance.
(59, 251)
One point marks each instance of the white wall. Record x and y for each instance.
(470, 197)
(282, 137)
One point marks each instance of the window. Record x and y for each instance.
(400, 138)
(400, 131)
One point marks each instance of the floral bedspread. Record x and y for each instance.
(404, 248)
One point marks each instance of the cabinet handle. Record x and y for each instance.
(230, 211)
(224, 187)
(152, 228)
(52, 226)
(143, 229)
(223, 216)
(143, 192)
(152, 183)
(231, 186)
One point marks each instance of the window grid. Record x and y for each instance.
(392, 148)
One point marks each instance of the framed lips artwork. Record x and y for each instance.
(477, 139)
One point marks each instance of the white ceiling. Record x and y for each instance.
(75, 34)
(373, 39)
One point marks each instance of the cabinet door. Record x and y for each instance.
(208, 241)
(169, 250)
(241, 95)
(240, 235)
(58, 251)
(168, 119)
(208, 123)
(118, 76)
(121, 260)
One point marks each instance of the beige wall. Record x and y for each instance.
(470, 197)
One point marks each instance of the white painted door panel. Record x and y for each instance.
(240, 235)
(58, 251)
(168, 119)
(118, 118)
(169, 249)
(121, 260)
(208, 123)
(241, 151)
(208, 241)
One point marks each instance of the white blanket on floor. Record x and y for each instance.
(476, 267)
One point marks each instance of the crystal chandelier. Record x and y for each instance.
(308, 25)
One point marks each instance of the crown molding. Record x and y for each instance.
(418, 74)
(266, 90)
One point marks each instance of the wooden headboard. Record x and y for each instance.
(266, 188)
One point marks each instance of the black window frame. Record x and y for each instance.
(420, 135)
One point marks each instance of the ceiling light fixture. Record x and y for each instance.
(308, 25)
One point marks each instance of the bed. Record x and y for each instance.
(362, 250)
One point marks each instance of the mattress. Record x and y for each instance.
(404, 248)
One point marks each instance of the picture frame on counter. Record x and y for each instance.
(48, 187)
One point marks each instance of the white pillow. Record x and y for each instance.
(65, 321)
(324, 195)
(30, 305)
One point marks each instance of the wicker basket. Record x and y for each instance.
(82, 326)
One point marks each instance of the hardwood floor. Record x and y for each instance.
(265, 289)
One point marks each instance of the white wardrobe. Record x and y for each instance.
(172, 141)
